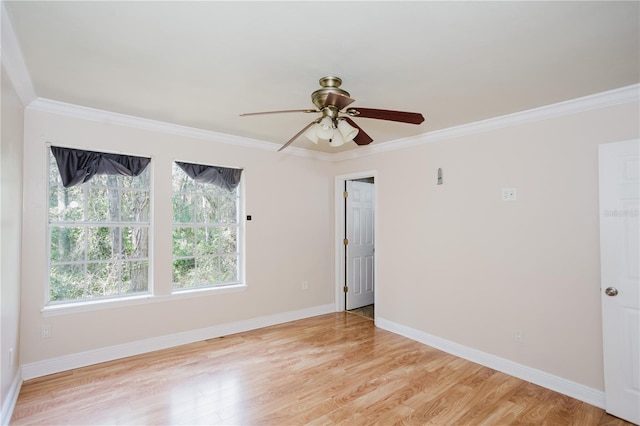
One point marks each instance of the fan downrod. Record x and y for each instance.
(329, 84)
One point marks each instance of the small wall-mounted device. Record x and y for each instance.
(509, 194)
(248, 217)
(440, 176)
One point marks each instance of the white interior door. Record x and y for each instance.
(620, 268)
(360, 246)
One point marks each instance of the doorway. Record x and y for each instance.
(355, 243)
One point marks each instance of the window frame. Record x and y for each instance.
(60, 305)
(222, 287)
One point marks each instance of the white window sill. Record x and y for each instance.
(144, 299)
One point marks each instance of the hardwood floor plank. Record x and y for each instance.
(331, 369)
(443, 407)
(563, 410)
(489, 396)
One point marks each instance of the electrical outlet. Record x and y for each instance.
(11, 358)
(305, 285)
(508, 194)
(45, 331)
(517, 334)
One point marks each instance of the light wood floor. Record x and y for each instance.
(366, 311)
(331, 369)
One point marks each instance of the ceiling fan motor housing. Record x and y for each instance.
(329, 84)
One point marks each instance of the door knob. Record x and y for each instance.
(611, 291)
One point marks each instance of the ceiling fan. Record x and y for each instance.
(335, 125)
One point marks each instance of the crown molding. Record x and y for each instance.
(12, 60)
(108, 117)
(606, 99)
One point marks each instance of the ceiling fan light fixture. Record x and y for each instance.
(337, 140)
(347, 130)
(324, 129)
(312, 133)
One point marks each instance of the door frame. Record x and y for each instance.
(339, 226)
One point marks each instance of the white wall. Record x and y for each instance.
(456, 262)
(11, 212)
(287, 241)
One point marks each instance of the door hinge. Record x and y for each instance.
(346, 241)
(345, 194)
(345, 289)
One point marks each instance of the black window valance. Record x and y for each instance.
(77, 166)
(223, 177)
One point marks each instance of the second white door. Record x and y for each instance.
(360, 244)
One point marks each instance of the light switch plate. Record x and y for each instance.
(509, 194)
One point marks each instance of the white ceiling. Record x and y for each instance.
(201, 64)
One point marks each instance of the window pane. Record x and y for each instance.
(135, 277)
(227, 210)
(206, 208)
(101, 242)
(183, 208)
(67, 244)
(182, 182)
(228, 240)
(207, 241)
(54, 174)
(98, 205)
(184, 272)
(135, 206)
(183, 242)
(98, 180)
(102, 279)
(66, 282)
(229, 269)
(207, 271)
(65, 204)
(135, 242)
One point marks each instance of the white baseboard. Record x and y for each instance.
(82, 359)
(558, 384)
(12, 397)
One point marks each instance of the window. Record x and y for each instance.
(98, 225)
(206, 226)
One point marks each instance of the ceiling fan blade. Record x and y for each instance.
(362, 138)
(277, 112)
(296, 136)
(338, 100)
(385, 114)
